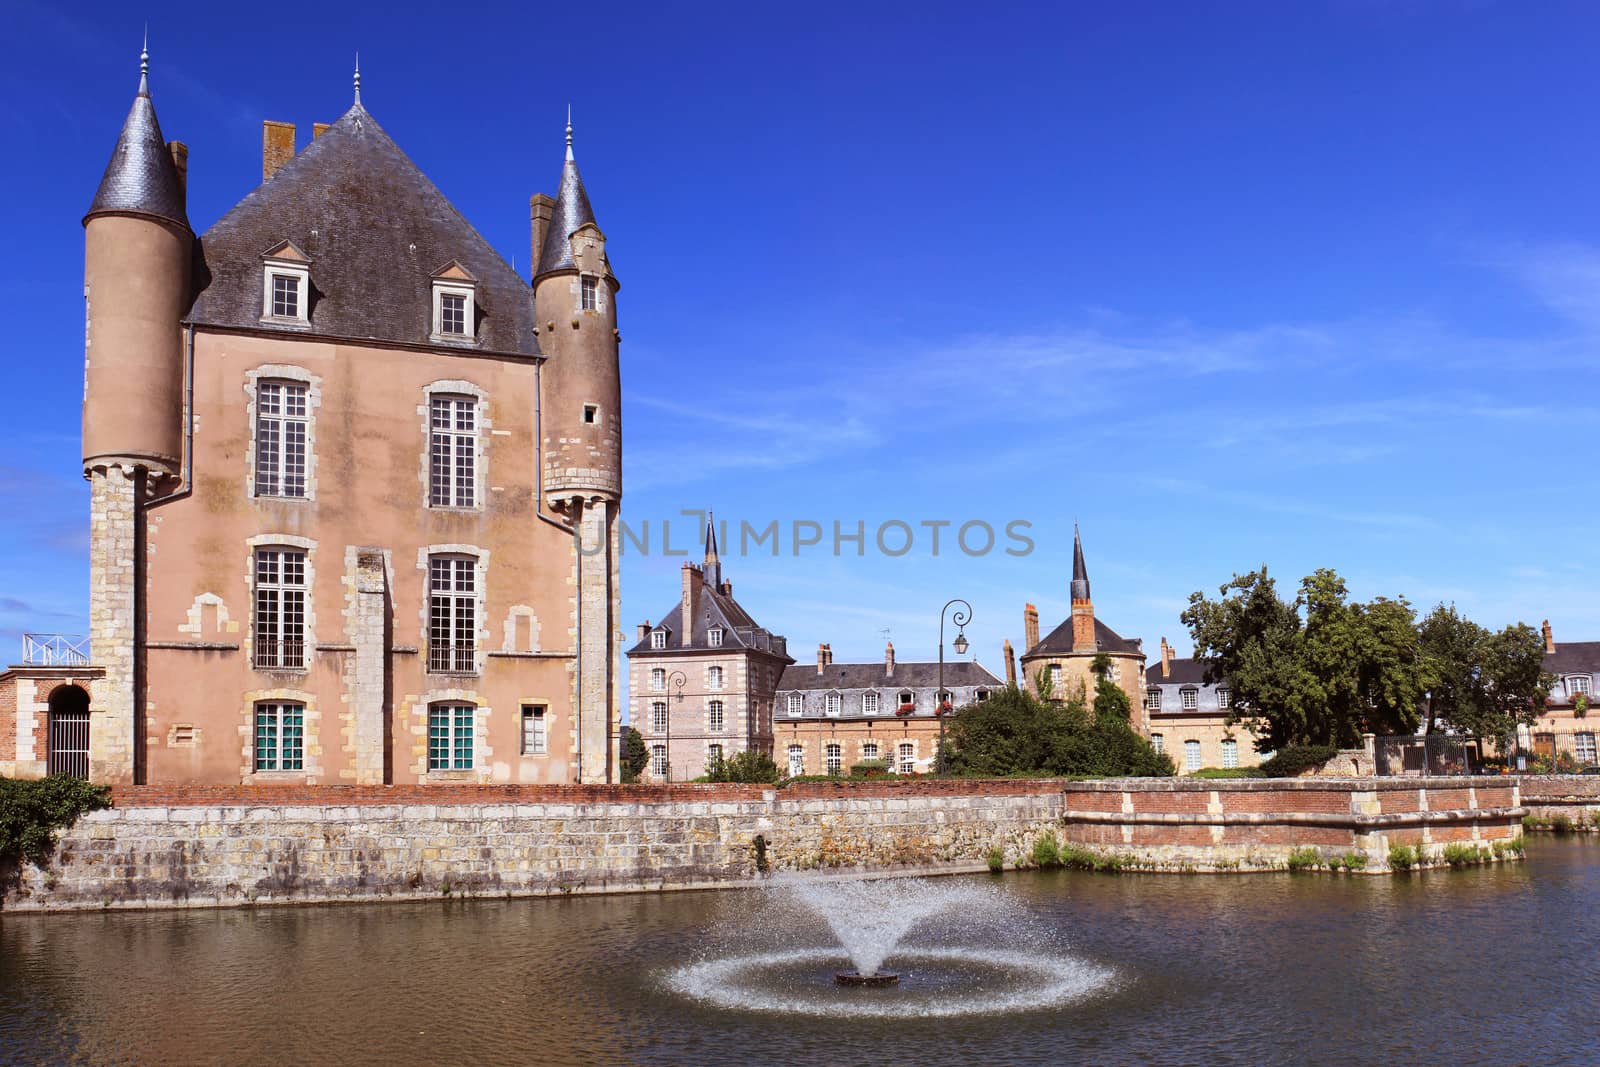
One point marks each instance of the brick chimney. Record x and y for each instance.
(320, 128)
(1010, 656)
(277, 146)
(888, 659)
(822, 657)
(828, 648)
(540, 207)
(692, 581)
(1549, 638)
(180, 160)
(1030, 627)
(1166, 659)
(727, 587)
(644, 630)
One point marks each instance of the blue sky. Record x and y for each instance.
(1309, 285)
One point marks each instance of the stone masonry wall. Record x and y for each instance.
(222, 845)
(1575, 796)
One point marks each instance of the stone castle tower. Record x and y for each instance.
(354, 483)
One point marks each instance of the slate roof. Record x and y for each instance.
(1184, 672)
(804, 676)
(739, 630)
(1059, 641)
(376, 230)
(141, 178)
(1573, 657)
(572, 210)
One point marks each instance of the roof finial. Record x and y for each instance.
(358, 77)
(569, 133)
(144, 63)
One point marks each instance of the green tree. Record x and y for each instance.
(749, 765)
(634, 754)
(1014, 732)
(1480, 682)
(1111, 704)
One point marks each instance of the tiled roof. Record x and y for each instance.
(1574, 657)
(875, 676)
(141, 178)
(571, 211)
(717, 609)
(1059, 641)
(375, 230)
(1184, 672)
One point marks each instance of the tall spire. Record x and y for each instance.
(358, 79)
(1080, 573)
(572, 210)
(569, 133)
(141, 178)
(713, 563)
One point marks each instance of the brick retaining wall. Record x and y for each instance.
(1574, 796)
(221, 846)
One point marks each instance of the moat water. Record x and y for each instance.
(1491, 966)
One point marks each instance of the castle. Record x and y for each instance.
(354, 482)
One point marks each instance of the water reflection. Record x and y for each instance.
(1488, 966)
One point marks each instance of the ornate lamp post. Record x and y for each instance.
(961, 616)
(678, 678)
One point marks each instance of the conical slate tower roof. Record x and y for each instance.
(1080, 573)
(571, 211)
(375, 231)
(141, 178)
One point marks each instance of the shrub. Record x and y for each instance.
(996, 859)
(1013, 733)
(1305, 859)
(1046, 851)
(1561, 823)
(1459, 854)
(1514, 846)
(1567, 763)
(1349, 861)
(32, 811)
(750, 766)
(1293, 760)
(1403, 857)
(870, 768)
(1228, 772)
(634, 754)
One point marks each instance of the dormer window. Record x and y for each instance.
(455, 310)
(286, 286)
(1152, 699)
(588, 293)
(714, 637)
(1189, 698)
(658, 639)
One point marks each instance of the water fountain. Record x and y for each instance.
(958, 947)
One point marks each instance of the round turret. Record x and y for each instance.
(137, 254)
(575, 299)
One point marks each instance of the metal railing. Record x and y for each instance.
(453, 659)
(280, 655)
(1433, 754)
(55, 650)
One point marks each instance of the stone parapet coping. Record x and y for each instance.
(1360, 822)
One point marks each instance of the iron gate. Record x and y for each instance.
(69, 743)
(1432, 754)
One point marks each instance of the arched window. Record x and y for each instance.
(797, 761)
(833, 757)
(450, 729)
(1230, 753)
(280, 736)
(1191, 755)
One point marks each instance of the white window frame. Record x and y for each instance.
(906, 761)
(453, 595)
(1577, 683)
(797, 761)
(459, 734)
(832, 705)
(449, 444)
(1159, 743)
(796, 705)
(714, 677)
(283, 412)
(588, 292)
(537, 716)
(659, 721)
(869, 750)
(658, 639)
(658, 679)
(287, 738)
(906, 699)
(1583, 747)
(716, 717)
(1224, 697)
(1191, 755)
(469, 295)
(1230, 753)
(714, 637)
(300, 274)
(1189, 698)
(713, 754)
(1152, 699)
(658, 761)
(832, 758)
(869, 703)
(280, 607)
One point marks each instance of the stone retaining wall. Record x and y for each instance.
(221, 846)
(1576, 797)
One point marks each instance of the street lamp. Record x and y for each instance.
(960, 618)
(675, 676)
